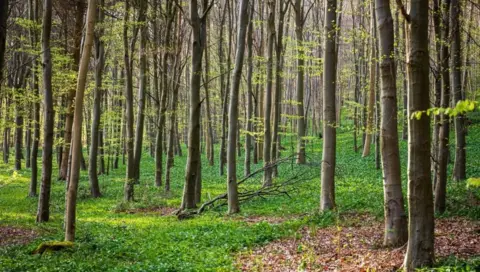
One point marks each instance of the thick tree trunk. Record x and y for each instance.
(43, 211)
(395, 216)
(444, 134)
(420, 251)
(233, 204)
(97, 111)
(459, 170)
(71, 202)
(327, 197)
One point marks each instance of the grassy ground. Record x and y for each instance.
(111, 237)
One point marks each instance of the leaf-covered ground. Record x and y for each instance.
(144, 236)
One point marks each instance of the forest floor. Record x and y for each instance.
(275, 233)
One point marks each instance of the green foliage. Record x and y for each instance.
(462, 107)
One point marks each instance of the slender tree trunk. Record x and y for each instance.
(225, 87)
(65, 164)
(130, 175)
(420, 251)
(34, 10)
(371, 92)
(249, 126)
(210, 142)
(233, 204)
(327, 197)
(71, 203)
(138, 148)
(444, 134)
(43, 211)
(97, 99)
(299, 21)
(193, 160)
(395, 216)
(267, 137)
(459, 172)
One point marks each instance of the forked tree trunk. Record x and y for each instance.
(43, 212)
(395, 230)
(71, 202)
(420, 251)
(327, 197)
(233, 204)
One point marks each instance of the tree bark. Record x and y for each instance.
(420, 251)
(43, 211)
(459, 172)
(193, 160)
(71, 202)
(249, 125)
(395, 217)
(327, 197)
(97, 111)
(233, 203)
(444, 134)
(267, 137)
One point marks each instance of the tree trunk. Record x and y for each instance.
(299, 20)
(70, 207)
(371, 92)
(233, 204)
(138, 148)
(327, 197)
(249, 126)
(64, 168)
(34, 11)
(193, 161)
(444, 134)
(267, 137)
(97, 111)
(43, 211)
(420, 251)
(459, 172)
(130, 175)
(395, 216)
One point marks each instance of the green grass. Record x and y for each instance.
(108, 240)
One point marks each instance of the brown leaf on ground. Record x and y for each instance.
(16, 236)
(355, 247)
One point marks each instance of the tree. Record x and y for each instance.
(444, 133)
(233, 204)
(3, 33)
(71, 202)
(97, 111)
(142, 88)
(327, 197)
(459, 172)
(197, 23)
(420, 199)
(395, 216)
(249, 113)
(299, 21)
(267, 137)
(43, 212)
(33, 15)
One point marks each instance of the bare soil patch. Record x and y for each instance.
(162, 211)
(16, 236)
(356, 247)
